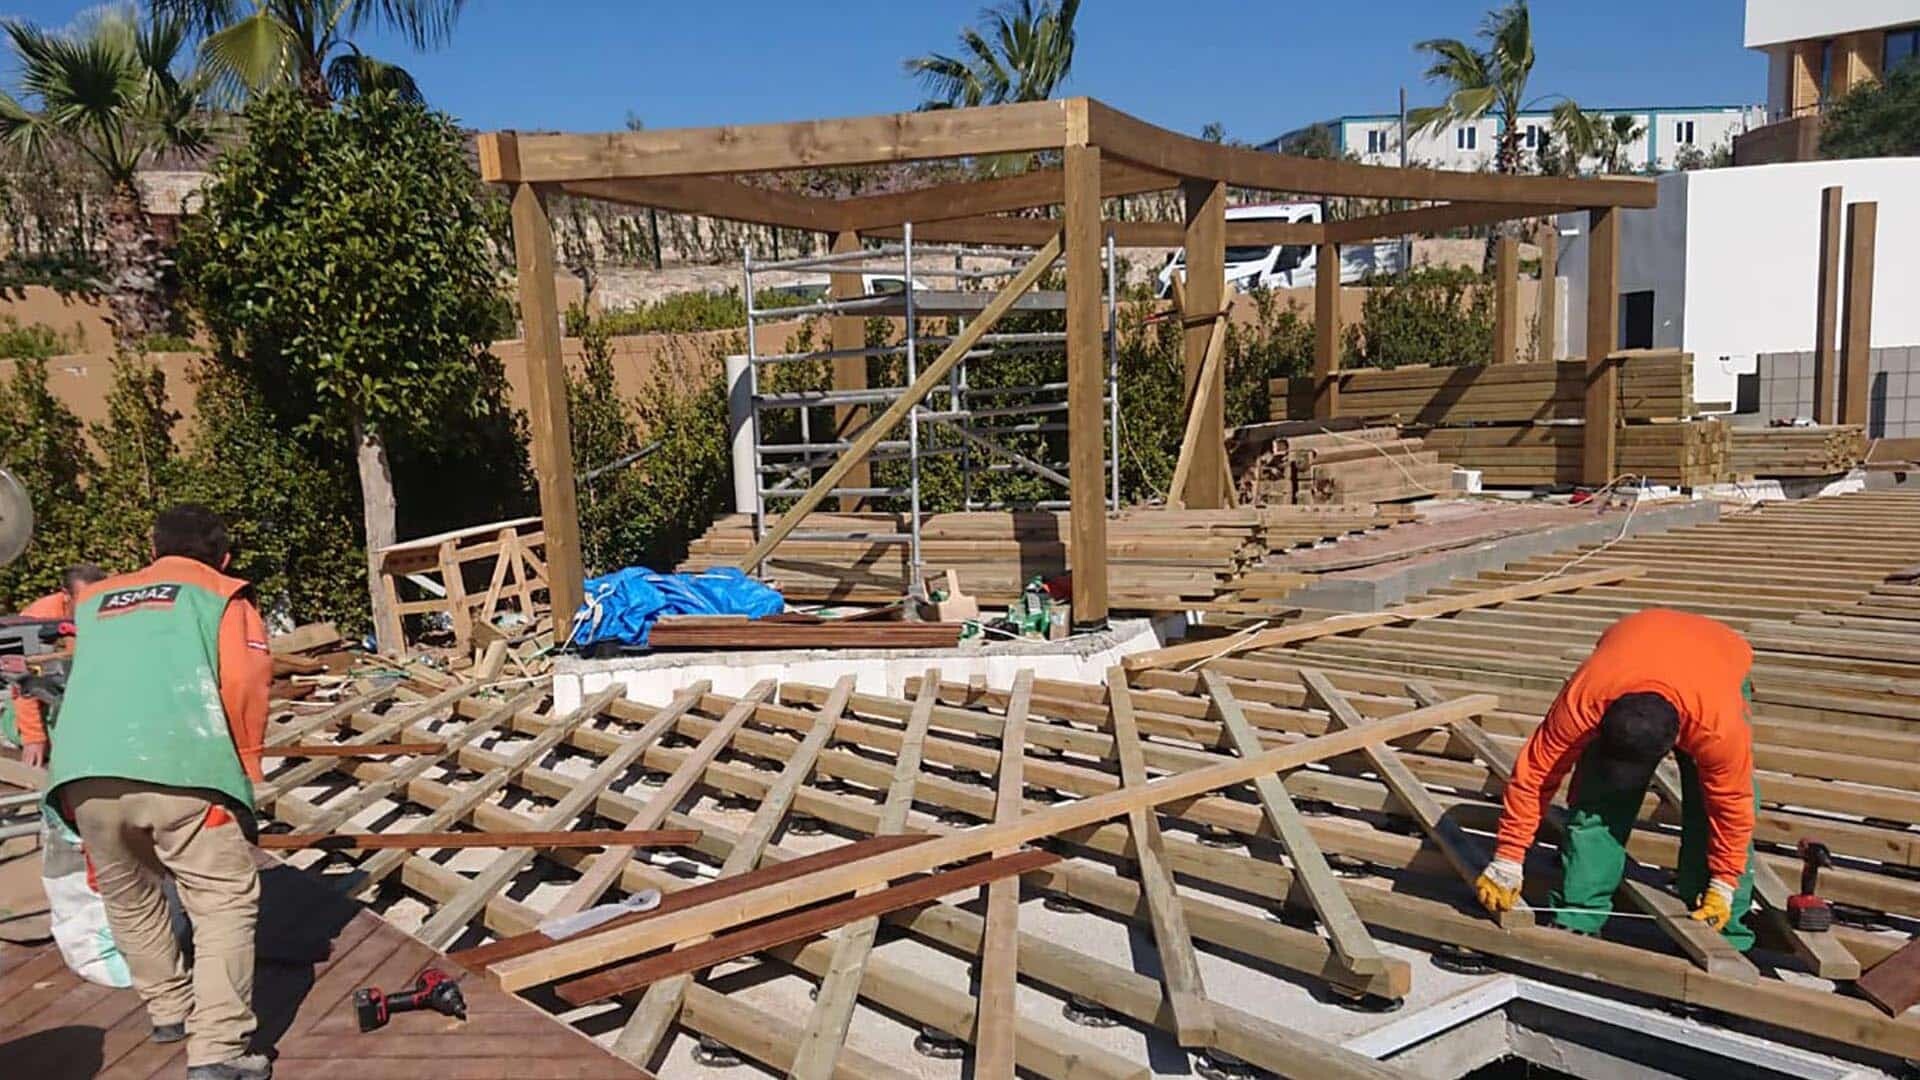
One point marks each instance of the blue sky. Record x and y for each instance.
(1259, 66)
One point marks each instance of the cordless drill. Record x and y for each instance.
(434, 989)
(1805, 909)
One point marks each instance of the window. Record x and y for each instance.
(1533, 136)
(1826, 70)
(1902, 46)
(1683, 133)
(1376, 142)
(1466, 138)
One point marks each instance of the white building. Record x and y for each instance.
(1726, 265)
(1666, 133)
(1815, 53)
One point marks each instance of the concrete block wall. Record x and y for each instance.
(1893, 393)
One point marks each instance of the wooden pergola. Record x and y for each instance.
(1103, 153)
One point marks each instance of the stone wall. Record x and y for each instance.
(1785, 384)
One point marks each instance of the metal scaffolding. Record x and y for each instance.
(981, 417)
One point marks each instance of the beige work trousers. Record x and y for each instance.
(135, 832)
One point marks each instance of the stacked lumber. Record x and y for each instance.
(1156, 557)
(1308, 463)
(1684, 454)
(1798, 451)
(1653, 386)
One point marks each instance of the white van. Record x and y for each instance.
(1287, 266)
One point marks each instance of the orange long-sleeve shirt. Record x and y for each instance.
(1697, 664)
(27, 712)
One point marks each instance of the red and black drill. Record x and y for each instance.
(1805, 909)
(434, 989)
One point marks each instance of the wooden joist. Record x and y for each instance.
(429, 841)
(1652, 386)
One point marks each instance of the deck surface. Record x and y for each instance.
(315, 949)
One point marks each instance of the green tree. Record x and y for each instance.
(1878, 118)
(1023, 53)
(111, 91)
(45, 447)
(342, 261)
(307, 44)
(1483, 80)
(1596, 135)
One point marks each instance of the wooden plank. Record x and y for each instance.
(1354, 947)
(796, 927)
(1326, 331)
(1467, 856)
(932, 375)
(395, 721)
(1214, 649)
(1000, 945)
(1506, 300)
(593, 884)
(1086, 388)
(1856, 319)
(1602, 396)
(662, 1003)
(714, 197)
(866, 140)
(1132, 139)
(1426, 220)
(304, 638)
(423, 841)
(1547, 307)
(848, 334)
(1203, 445)
(547, 401)
(972, 198)
(1826, 319)
(454, 915)
(567, 958)
(337, 750)
(301, 727)
(840, 989)
(1179, 966)
(1894, 983)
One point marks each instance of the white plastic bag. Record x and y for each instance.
(78, 914)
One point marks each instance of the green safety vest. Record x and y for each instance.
(143, 697)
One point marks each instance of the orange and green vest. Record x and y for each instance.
(143, 698)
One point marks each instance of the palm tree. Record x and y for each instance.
(1024, 54)
(108, 92)
(306, 43)
(1493, 79)
(1595, 135)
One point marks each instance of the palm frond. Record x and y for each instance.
(425, 24)
(255, 52)
(202, 17)
(354, 73)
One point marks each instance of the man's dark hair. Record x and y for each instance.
(191, 531)
(79, 576)
(1636, 731)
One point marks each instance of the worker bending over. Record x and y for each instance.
(160, 738)
(29, 721)
(1657, 681)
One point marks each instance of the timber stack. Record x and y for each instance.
(1312, 464)
(1520, 424)
(1826, 450)
(1157, 557)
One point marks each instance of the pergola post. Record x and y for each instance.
(849, 372)
(1506, 299)
(1206, 295)
(1856, 326)
(547, 398)
(1546, 309)
(1086, 388)
(1326, 330)
(1827, 306)
(1603, 327)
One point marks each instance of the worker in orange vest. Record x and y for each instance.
(1658, 682)
(29, 717)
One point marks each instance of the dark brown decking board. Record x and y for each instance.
(315, 949)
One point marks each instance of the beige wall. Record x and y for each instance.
(31, 304)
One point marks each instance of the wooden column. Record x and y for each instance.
(1856, 326)
(1603, 328)
(1086, 388)
(547, 400)
(849, 373)
(1547, 307)
(1326, 331)
(1206, 294)
(1827, 306)
(1506, 299)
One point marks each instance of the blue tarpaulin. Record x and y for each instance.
(622, 606)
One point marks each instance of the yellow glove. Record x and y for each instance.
(1498, 886)
(1716, 905)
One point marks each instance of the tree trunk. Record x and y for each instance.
(377, 507)
(313, 83)
(137, 292)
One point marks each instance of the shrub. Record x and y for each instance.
(692, 311)
(1878, 118)
(36, 341)
(46, 449)
(1430, 315)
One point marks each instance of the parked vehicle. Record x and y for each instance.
(1288, 266)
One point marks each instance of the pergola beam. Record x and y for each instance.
(1032, 232)
(976, 198)
(1430, 219)
(714, 197)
